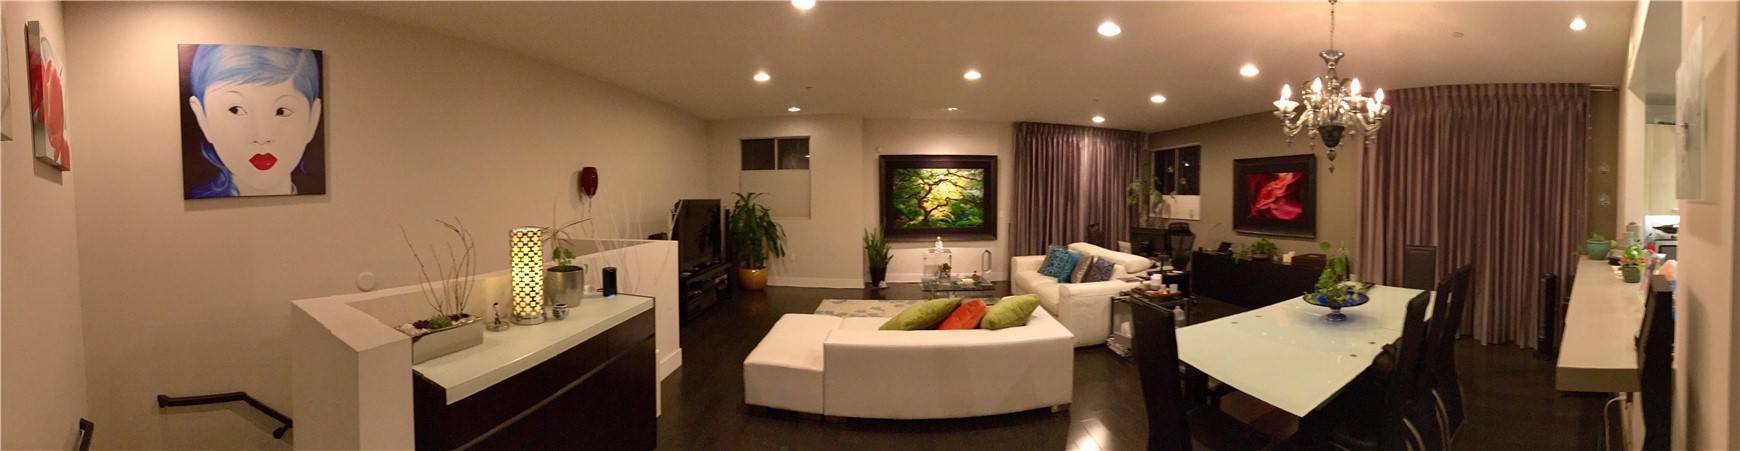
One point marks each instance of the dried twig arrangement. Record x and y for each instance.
(459, 273)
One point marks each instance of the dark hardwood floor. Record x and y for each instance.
(1510, 396)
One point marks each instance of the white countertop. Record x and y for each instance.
(504, 354)
(1287, 355)
(1599, 350)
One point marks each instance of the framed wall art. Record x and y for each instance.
(1276, 196)
(48, 127)
(251, 122)
(927, 196)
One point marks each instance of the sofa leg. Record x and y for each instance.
(1060, 408)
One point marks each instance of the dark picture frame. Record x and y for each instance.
(1276, 196)
(893, 166)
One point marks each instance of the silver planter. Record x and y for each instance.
(564, 287)
(468, 333)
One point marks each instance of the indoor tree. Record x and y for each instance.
(757, 239)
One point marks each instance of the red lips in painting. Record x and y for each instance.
(263, 161)
(1275, 195)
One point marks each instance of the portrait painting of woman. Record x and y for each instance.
(251, 121)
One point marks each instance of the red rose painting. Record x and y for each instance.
(47, 100)
(1274, 195)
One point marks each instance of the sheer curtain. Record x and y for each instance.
(1493, 176)
(1067, 177)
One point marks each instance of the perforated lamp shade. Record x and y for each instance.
(528, 275)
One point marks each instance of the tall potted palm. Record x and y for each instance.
(757, 239)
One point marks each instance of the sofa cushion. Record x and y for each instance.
(1132, 263)
(922, 316)
(966, 316)
(1010, 312)
(785, 369)
(1059, 262)
(1101, 271)
(1081, 268)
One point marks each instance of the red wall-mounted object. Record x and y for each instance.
(589, 181)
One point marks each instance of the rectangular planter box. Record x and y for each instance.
(446, 341)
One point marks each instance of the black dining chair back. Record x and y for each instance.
(1419, 267)
(1445, 387)
(1403, 382)
(1655, 350)
(1156, 342)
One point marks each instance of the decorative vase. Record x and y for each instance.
(564, 284)
(1632, 274)
(752, 279)
(1596, 249)
(877, 275)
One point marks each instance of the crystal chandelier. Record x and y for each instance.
(1330, 106)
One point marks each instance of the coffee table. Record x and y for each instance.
(949, 288)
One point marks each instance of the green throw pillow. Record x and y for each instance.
(1010, 312)
(922, 316)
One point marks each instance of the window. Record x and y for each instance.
(1178, 171)
(780, 168)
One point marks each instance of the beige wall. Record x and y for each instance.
(1255, 136)
(193, 297)
(1706, 350)
(43, 393)
(1602, 162)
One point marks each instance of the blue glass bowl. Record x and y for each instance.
(1335, 315)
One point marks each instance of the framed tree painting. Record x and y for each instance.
(251, 121)
(927, 196)
(48, 127)
(1276, 196)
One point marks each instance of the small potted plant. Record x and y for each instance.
(448, 292)
(757, 239)
(1597, 247)
(1631, 264)
(876, 251)
(1333, 290)
(1262, 250)
(565, 282)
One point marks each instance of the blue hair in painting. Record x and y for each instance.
(248, 64)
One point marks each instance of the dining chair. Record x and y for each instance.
(1178, 416)
(1655, 348)
(1419, 267)
(1379, 421)
(1441, 377)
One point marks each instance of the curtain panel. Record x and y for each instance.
(1068, 177)
(1493, 176)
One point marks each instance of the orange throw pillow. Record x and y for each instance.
(966, 316)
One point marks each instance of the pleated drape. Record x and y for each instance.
(1493, 176)
(1067, 177)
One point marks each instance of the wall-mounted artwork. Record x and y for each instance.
(1689, 93)
(952, 196)
(48, 128)
(1276, 196)
(251, 122)
(5, 92)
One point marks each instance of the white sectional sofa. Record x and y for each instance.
(1084, 308)
(845, 367)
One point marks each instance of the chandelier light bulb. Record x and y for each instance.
(1378, 96)
(1354, 87)
(1317, 85)
(1286, 92)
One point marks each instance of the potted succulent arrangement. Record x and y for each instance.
(876, 251)
(1262, 250)
(1631, 264)
(757, 239)
(1333, 290)
(448, 291)
(1597, 247)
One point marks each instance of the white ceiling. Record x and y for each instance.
(1042, 61)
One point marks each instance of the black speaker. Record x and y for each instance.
(609, 281)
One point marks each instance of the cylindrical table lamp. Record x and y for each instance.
(528, 273)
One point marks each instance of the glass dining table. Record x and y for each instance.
(1288, 355)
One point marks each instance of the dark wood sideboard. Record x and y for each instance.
(598, 394)
(1249, 284)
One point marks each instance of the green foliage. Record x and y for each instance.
(754, 233)
(1633, 256)
(1261, 247)
(876, 248)
(945, 198)
(440, 322)
(1596, 236)
(563, 256)
(1142, 188)
(1330, 283)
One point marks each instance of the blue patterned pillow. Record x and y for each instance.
(1059, 262)
(1101, 271)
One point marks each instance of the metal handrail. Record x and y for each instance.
(170, 401)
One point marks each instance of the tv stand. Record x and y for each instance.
(702, 287)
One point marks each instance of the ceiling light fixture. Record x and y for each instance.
(1249, 70)
(1098, 119)
(803, 4)
(762, 76)
(954, 109)
(1110, 29)
(972, 75)
(1331, 105)
(1157, 99)
(1578, 24)
(794, 109)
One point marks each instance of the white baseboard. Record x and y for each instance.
(815, 282)
(670, 363)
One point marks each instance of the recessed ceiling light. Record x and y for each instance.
(954, 109)
(794, 109)
(1249, 70)
(972, 75)
(1157, 99)
(762, 76)
(1578, 24)
(803, 4)
(1110, 29)
(1098, 119)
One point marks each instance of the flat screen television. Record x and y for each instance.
(699, 234)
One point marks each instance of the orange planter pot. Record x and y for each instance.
(752, 279)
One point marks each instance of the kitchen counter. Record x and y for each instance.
(1598, 352)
